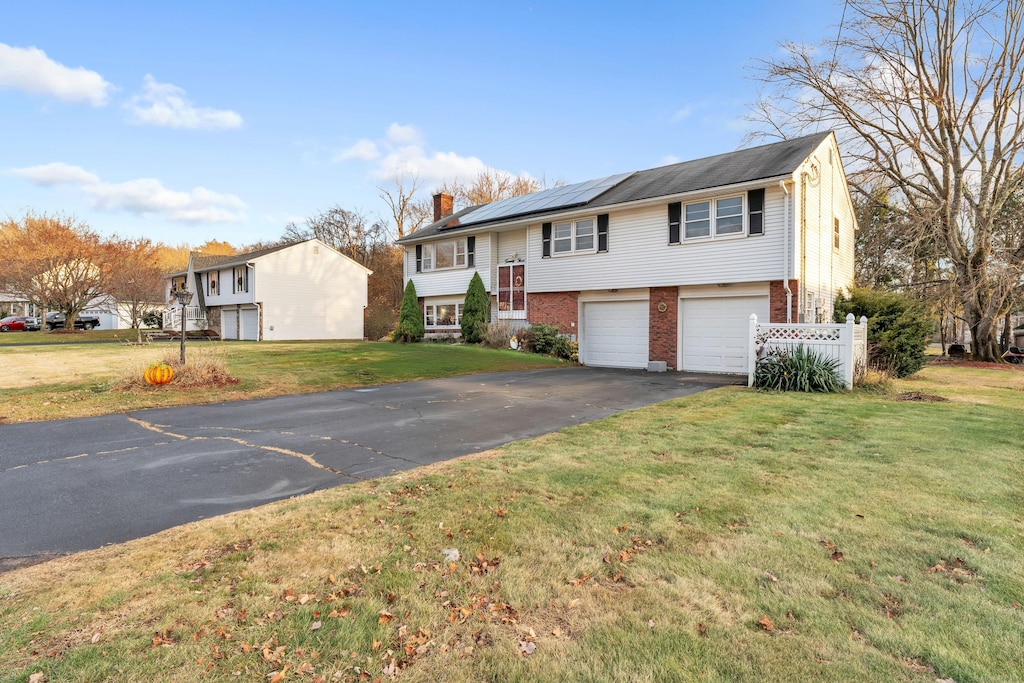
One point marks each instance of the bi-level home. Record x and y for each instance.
(653, 269)
(303, 290)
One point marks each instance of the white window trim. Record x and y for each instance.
(713, 219)
(428, 259)
(433, 305)
(575, 236)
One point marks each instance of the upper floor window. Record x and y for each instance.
(835, 233)
(714, 218)
(213, 283)
(572, 237)
(240, 282)
(443, 255)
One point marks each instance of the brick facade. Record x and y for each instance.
(777, 301)
(560, 309)
(664, 325)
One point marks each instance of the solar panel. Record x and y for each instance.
(545, 200)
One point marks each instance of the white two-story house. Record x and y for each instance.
(658, 266)
(304, 290)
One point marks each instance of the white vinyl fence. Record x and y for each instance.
(847, 343)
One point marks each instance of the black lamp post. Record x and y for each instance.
(184, 298)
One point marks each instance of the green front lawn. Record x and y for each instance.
(728, 536)
(77, 380)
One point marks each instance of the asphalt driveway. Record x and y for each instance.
(71, 485)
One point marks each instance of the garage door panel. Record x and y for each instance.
(615, 334)
(229, 324)
(715, 332)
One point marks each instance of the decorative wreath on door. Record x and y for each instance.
(519, 281)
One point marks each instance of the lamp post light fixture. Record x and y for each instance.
(184, 298)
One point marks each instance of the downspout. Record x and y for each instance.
(785, 254)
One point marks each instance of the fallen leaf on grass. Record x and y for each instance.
(38, 677)
(837, 556)
(527, 647)
(766, 623)
(315, 625)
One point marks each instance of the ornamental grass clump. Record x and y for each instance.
(798, 369)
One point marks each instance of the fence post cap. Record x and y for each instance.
(753, 316)
(863, 320)
(849, 317)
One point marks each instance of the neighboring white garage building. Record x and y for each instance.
(662, 266)
(303, 290)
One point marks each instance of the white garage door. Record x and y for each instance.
(615, 334)
(250, 324)
(715, 332)
(229, 324)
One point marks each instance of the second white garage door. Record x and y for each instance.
(614, 334)
(715, 332)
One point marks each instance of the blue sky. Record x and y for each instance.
(190, 121)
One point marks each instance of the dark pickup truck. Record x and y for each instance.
(55, 321)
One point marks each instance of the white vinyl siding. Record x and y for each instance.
(452, 281)
(641, 257)
(309, 291)
(227, 284)
(821, 268)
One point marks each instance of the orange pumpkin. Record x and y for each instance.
(161, 373)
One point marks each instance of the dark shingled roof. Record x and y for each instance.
(202, 262)
(746, 165)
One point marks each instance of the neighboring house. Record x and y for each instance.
(304, 290)
(664, 265)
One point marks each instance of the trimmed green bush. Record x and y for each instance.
(410, 319)
(898, 328)
(799, 369)
(476, 311)
(544, 337)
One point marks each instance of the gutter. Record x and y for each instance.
(785, 255)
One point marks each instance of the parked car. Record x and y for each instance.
(56, 321)
(17, 322)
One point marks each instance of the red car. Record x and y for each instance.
(15, 322)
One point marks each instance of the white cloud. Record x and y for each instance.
(165, 104)
(682, 114)
(403, 150)
(365, 150)
(403, 135)
(142, 196)
(29, 69)
(57, 173)
(670, 159)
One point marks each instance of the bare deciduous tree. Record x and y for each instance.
(929, 96)
(409, 213)
(137, 284)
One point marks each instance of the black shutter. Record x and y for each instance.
(755, 211)
(471, 251)
(419, 258)
(545, 235)
(602, 232)
(675, 213)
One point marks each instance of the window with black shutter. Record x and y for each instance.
(755, 212)
(602, 232)
(675, 212)
(470, 251)
(419, 258)
(545, 232)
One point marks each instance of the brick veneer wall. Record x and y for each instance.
(664, 325)
(560, 309)
(777, 300)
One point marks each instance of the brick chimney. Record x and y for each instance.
(444, 205)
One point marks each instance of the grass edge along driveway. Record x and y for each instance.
(732, 535)
(70, 380)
